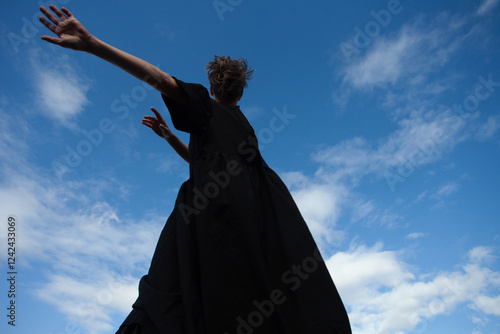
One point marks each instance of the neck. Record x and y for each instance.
(231, 103)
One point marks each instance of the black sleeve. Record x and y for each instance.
(195, 116)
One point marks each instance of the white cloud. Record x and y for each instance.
(360, 270)
(486, 7)
(481, 254)
(87, 304)
(421, 196)
(295, 179)
(444, 191)
(447, 189)
(60, 89)
(415, 235)
(417, 49)
(488, 305)
(12, 150)
(385, 63)
(419, 140)
(92, 256)
(362, 211)
(385, 296)
(405, 68)
(89, 248)
(169, 163)
(397, 298)
(252, 112)
(488, 129)
(320, 205)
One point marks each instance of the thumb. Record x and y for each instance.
(165, 130)
(50, 39)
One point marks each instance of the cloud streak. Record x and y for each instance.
(60, 89)
(486, 7)
(88, 258)
(83, 250)
(417, 49)
(419, 140)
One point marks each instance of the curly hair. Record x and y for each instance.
(228, 77)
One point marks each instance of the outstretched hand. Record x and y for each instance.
(71, 33)
(158, 124)
(160, 127)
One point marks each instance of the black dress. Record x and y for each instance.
(235, 255)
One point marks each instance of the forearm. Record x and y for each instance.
(73, 35)
(137, 67)
(179, 147)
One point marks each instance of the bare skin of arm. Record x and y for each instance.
(73, 35)
(159, 126)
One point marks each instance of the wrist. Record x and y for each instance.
(93, 45)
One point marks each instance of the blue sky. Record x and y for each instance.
(382, 117)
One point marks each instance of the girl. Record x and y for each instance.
(235, 255)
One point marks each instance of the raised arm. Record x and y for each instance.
(159, 126)
(73, 35)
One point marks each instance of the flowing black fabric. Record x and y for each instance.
(235, 256)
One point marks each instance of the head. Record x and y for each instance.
(228, 77)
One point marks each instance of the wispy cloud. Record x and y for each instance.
(83, 250)
(442, 194)
(481, 254)
(447, 189)
(488, 129)
(252, 112)
(419, 140)
(168, 163)
(486, 7)
(89, 256)
(405, 68)
(417, 49)
(415, 235)
(88, 305)
(383, 64)
(60, 89)
(10, 145)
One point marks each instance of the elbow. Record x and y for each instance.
(159, 80)
(166, 85)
